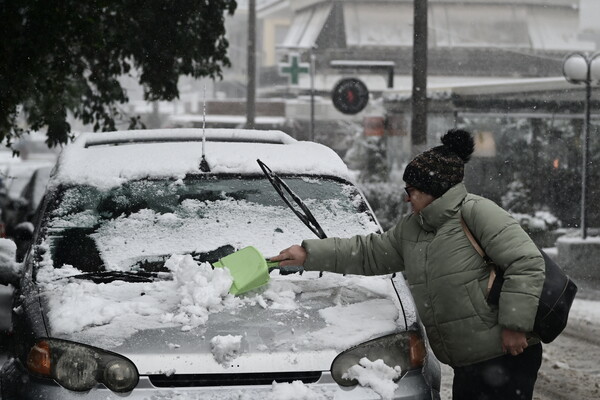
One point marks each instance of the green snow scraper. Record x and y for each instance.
(249, 269)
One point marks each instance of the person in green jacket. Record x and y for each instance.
(490, 347)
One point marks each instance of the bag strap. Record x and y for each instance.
(479, 250)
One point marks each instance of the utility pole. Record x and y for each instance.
(419, 89)
(313, 57)
(251, 67)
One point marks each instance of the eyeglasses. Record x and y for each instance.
(409, 189)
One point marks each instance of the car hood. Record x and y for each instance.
(294, 323)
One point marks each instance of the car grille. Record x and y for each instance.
(188, 380)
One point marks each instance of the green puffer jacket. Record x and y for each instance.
(446, 275)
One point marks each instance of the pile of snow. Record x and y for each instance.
(281, 297)
(8, 250)
(201, 290)
(9, 269)
(119, 309)
(115, 310)
(225, 348)
(539, 221)
(376, 375)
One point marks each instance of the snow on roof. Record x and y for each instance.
(108, 159)
(306, 26)
(465, 86)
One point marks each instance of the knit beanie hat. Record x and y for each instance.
(438, 169)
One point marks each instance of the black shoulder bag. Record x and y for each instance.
(556, 298)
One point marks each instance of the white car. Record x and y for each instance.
(118, 296)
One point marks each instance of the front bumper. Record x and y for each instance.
(16, 385)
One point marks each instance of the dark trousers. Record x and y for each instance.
(502, 378)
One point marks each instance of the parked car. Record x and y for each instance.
(22, 208)
(29, 168)
(33, 192)
(118, 296)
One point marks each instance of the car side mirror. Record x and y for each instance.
(10, 270)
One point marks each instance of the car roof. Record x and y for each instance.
(108, 159)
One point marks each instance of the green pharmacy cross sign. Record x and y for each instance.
(293, 68)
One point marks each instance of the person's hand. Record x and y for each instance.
(513, 342)
(292, 256)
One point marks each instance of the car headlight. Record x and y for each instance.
(405, 349)
(80, 367)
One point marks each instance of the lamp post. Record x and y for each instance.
(313, 59)
(582, 68)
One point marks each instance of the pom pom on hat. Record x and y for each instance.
(460, 143)
(438, 169)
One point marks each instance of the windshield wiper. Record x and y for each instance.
(305, 215)
(111, 276)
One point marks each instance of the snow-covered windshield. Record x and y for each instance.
(140, 224)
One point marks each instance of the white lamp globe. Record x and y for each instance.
(575, 68)
(595, 68)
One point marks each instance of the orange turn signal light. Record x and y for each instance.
(38, 360)
(418, 352)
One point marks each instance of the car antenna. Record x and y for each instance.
(203, 163)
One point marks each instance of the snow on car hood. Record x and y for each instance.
(176, 325)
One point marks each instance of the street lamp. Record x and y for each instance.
(582, 68)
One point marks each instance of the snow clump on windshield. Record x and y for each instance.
(201, 290)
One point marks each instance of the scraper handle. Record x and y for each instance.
(284, 270)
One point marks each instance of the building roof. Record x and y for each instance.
(548, 25)
(465, 86)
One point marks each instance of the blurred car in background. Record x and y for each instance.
(22, 179)
(21, 208)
